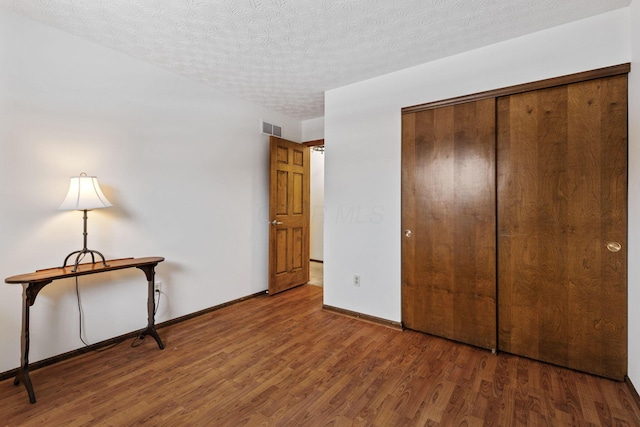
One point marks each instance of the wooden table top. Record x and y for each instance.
(83, 269)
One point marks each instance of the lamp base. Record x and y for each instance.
(80, 255)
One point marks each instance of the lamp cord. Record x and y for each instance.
(80, 314)
(81, 321)
(138, 340)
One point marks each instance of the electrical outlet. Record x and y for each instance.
(356, 280)
(158, 285)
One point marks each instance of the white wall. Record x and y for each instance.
(316, 241)
(183, 164)
(634, 198)
(311, 130)
(363, 131)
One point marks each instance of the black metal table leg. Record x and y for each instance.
(23, 372)
(149, 271)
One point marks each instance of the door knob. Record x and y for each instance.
(613, 246)
(276, 222)
(407, 233)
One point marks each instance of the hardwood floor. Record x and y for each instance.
(282, 361)
(316, 273)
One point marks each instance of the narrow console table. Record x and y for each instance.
(32, 283)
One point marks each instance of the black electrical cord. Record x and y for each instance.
(80, 321)
(80, 314)
(157, 305)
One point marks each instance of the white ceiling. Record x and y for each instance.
(283, 54)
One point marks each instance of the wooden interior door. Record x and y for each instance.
(289, 215)
(562, 197)
(449, 223)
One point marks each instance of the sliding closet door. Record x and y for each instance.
(562, 246)
(448, 221)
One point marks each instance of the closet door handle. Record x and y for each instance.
(613, 246)
(407, 233)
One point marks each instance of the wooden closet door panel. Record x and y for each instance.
(562, 183)
(448, 203)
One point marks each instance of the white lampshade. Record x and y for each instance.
(84, 193)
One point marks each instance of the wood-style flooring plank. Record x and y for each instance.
(283, 361)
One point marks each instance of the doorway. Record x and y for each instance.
(316, 242)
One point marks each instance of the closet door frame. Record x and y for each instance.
(525, 87)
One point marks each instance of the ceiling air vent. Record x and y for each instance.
(271, 129)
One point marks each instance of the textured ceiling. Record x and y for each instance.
(283, 54)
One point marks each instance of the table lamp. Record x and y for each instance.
(84, 194)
